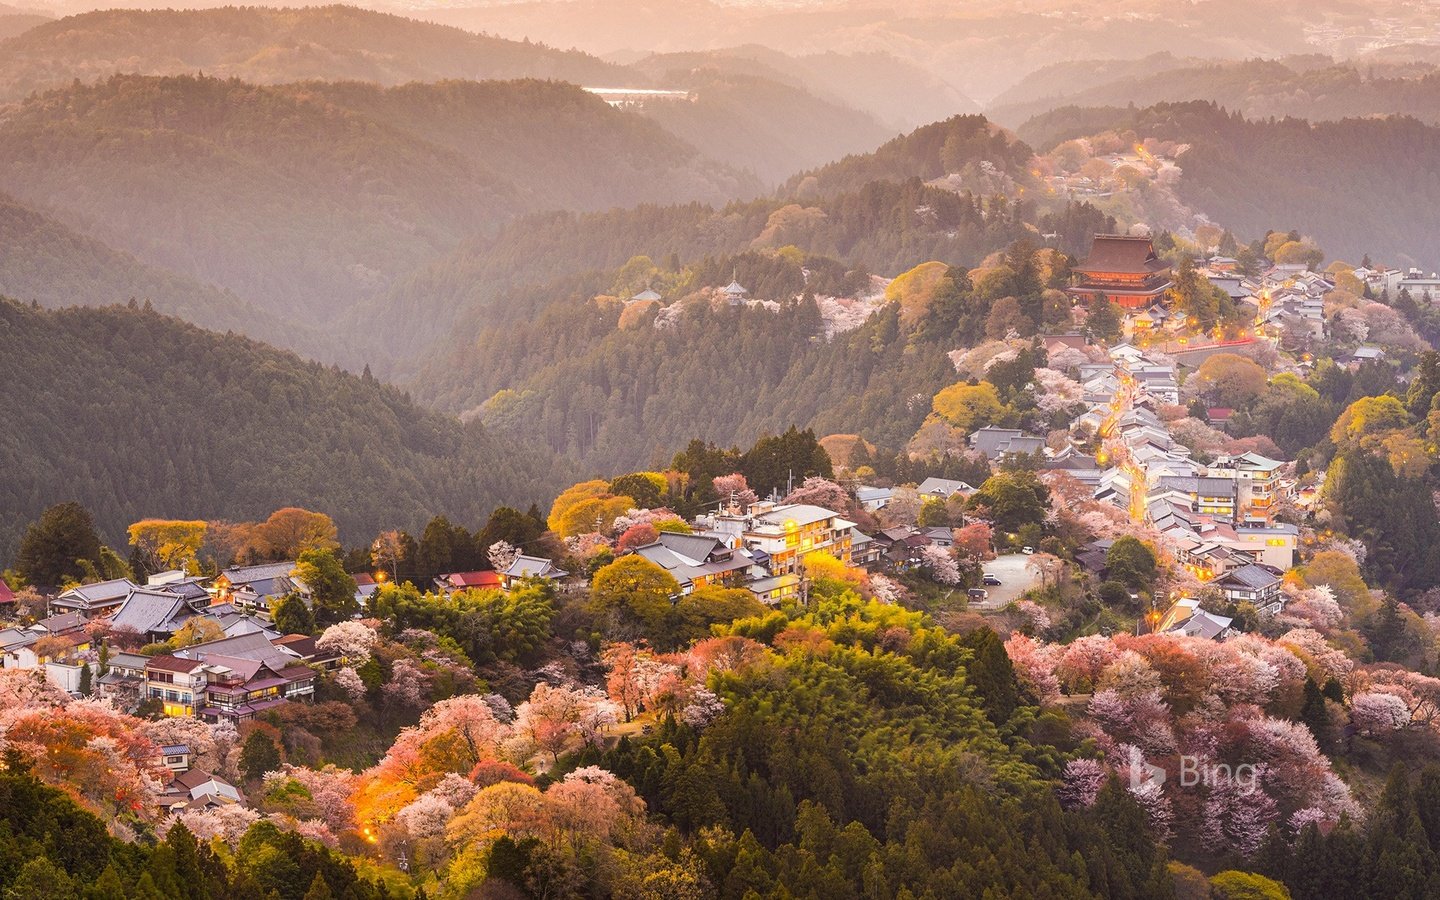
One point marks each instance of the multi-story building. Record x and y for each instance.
(786, 534)
(259, 587)
(234, 678)
(1256, 484)
(179, 684)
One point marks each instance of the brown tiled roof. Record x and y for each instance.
(168, 663)
(1121, 253)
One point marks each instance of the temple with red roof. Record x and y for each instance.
(1125, 269)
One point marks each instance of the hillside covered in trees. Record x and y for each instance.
(1306, 87)
(617, 385)
(1357, 184)
(885, 225)
(771, 118)
(931, 151)
(303, 199)
(53, 265)
(895, 91)
(765, 126)
(135, 414)
(274, 45)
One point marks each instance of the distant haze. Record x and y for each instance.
(978, 49)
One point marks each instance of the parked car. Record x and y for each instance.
(978, 594)
(1028, 551)
(990, 580)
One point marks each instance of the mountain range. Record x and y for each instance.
(1311, 87)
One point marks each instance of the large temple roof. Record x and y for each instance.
(1121, 254)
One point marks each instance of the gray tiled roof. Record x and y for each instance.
(1253, 577)
(151, 610)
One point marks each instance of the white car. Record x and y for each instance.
(1028, 551)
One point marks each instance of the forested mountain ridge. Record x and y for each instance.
(246, 187)
(612, 385)
(275, 45)
(560, 147)
(1306, 87)
(299, 200)
(12, 23)
(492, 282)
(895, 91)
(765, 126)
(135, 414)
(47, 262)
(1359, 185)
(963, 145)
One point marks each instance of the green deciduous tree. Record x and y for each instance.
(292, 616)
(636, 591)
(332, 590)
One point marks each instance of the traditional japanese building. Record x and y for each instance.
(1124, 269)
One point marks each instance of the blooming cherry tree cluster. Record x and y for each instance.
(941, 564)
(354, 641)
(501, 555)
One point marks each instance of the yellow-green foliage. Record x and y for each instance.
(969, 406)
(914, 290)
(577, 508)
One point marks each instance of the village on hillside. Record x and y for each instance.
(1189, 533)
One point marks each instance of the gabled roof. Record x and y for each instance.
(481, 579)
(800, 513)
(1071, 459)
(993, 441)
(1252, 577)
(944, 487)
(128, 660)
(58, 624)
(262, 572)
(197, 784)
(276, 586)
(168, 662)
(1250, 459)
(304, 646)
(14, 638)
(646, 294)
(533, 566)
(256, 647)
(152, 610)
(688, 557)
(100, 592)
(697, 547)
(1123, 254)
(1203, 624)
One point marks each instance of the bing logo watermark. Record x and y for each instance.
(1193, 771)
(1142, 773)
